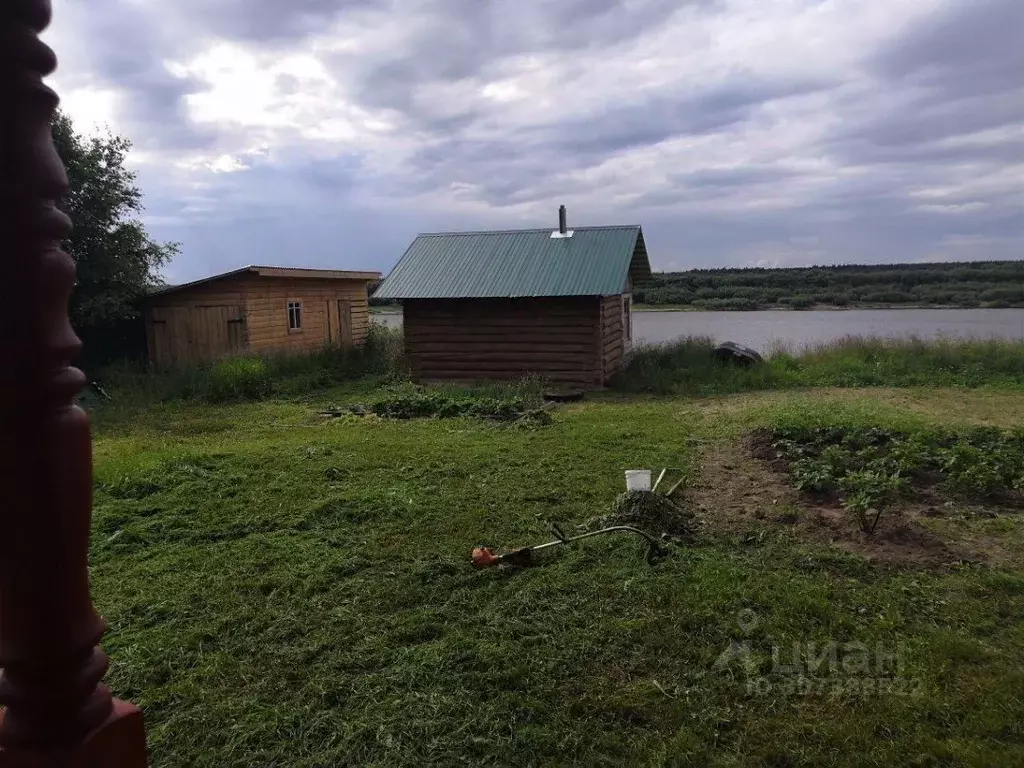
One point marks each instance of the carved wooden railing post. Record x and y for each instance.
(57, 711)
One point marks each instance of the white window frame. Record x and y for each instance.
(294, 314)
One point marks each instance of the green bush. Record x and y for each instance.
(732, 303)
(801, 302)
(238, 378)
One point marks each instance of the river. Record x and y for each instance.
(766, 329)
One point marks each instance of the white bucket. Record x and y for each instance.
(638, 479)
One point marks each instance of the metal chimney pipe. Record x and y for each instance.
(561, 220)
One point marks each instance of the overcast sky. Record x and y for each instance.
(323, 133)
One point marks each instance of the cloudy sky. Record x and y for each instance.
(327, 133)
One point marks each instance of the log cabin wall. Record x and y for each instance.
(242, 313)
(475, 339)
(612, 335)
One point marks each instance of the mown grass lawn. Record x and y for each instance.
(285, 590)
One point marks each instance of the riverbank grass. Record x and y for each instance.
(689, 366)
(685, 367)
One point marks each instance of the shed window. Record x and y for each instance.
(294, 315)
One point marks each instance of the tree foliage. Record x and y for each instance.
(964, 284)
(115, 257)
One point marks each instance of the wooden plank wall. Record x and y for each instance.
(186, 327)
(474, 339)
(248, 313)
(612, 338)
(268, 311)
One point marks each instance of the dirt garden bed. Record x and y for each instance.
(923, 519)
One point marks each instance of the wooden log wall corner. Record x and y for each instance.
(56, 711)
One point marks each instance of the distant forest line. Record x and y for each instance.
(995, 284)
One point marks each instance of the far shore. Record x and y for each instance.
(815, 308)
(397, 310)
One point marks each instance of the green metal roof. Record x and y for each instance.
(524, 262)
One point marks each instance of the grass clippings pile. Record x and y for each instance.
(654, 513)
(415, 402)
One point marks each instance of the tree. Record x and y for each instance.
(115, 257)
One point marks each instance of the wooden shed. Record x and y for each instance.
(256, 309)
(502, 305)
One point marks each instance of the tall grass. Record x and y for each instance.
(685, 367)
(256, 377)
(688, 366)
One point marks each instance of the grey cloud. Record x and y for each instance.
(865, 149)
(654, 120)
(949, 118)
(464, 39)
(579, 24)
(540, 154)
(268, 21)
(923, 123)
(733, 177)
(287, 84)
(964, 69)
(335, 177)
(958, 72)
(131, 55)
(155, 105)
(712, 183)
(927, 128)
(973, 46)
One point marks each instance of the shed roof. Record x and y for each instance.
(594, 261)
(288, 272)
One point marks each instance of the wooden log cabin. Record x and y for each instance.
(507, 304)
(256, 309)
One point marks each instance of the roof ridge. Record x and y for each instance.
(525, 231)
(519, 263)
(306, 269)
(323, 272)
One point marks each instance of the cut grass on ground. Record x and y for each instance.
(289, 590)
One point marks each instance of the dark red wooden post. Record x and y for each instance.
(57, 712)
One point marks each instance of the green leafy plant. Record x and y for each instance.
(411, 402)
(869, 469)
(867, 491)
